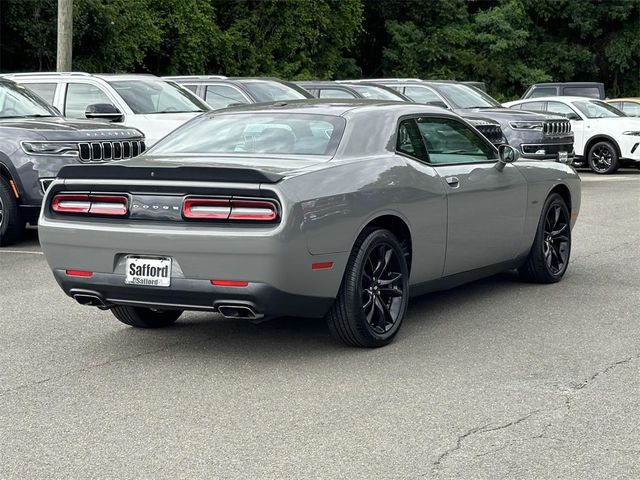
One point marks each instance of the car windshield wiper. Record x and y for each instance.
(35, 115)
(179, 111)
(484, 106)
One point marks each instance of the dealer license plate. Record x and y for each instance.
(152, 272)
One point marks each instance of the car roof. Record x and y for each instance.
(103, 76)
(561, 84)
(561, 98)
(334, 107)
(624, 99)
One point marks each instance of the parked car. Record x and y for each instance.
(342, 89)
(479, 85)
(146, 102)
(222, 92)
(628, 106)
(35, 142)
(570, 89)
(536, 136)
(605, 138)
(313, 208)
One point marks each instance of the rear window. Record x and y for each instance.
(251, 133)
(543, 92)
(590, 92)
(269, 91)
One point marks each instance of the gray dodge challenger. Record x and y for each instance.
(310, 208)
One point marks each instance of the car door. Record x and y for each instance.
(577, 124)
(78, 95)
(486, 207)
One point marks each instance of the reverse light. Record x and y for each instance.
(229, 209)
(526, 125)
(111, 205)
(50, 148)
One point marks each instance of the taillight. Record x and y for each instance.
(111, 205)
(229, 209)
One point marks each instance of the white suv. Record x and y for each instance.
(604, 137)
(146, 102)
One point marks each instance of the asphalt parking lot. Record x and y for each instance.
(496, 379)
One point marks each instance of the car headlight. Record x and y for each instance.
(635, 133)
(50, 148)
(523, 125)
(481, 121)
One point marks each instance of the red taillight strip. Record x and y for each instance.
(78, 273)
(253, 210)
(112, 205)
(71, 203)
(229, 283)
(229, 209)
(206, 208)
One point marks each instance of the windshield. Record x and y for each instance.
(17, 101)
(464, 96)
(150, 95)
(377, 93)
(595, 109)
(255, 133)
(266, 91)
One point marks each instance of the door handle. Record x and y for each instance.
(453, 182)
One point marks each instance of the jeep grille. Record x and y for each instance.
(492, 132)
(105, 151)
(557, 127)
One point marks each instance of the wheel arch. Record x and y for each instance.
(601, 137)
(399, 227)
(562, 190)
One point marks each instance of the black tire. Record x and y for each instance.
(372, 300)
(549, 256)
(11, 223)
(140, 317)
(603, 158)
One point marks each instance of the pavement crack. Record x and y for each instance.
(478, 430)
(604, 371)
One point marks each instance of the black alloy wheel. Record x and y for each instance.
(603, 158)
(382, 288)
(374, 293)
(548, 258)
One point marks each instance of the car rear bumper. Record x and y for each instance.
(264, 301)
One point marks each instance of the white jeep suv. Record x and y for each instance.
(146, 102)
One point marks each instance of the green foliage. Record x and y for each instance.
(507, 43)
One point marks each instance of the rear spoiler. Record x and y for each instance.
(189, 174)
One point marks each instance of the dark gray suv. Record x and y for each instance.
(35, 142)
(537, 136)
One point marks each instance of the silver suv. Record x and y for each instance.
(146, 102)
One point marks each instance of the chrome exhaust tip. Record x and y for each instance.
(239, 312)
(89, 300)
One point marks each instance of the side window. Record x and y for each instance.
(449, 141)
(190, 87)
(44, 90)
(591, 92)
(421, 94)
(221, 96)
(334, 93)
(534, 106)
(81, 95)
(543, 92)
(561, 108)
(631, 109)
(409, 140)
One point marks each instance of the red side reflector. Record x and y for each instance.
(79, 273)
(229, 283)
(321, 265)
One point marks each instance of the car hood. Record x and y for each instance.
(622, 123)
(157, 125)
(59, 128)
(508, 114)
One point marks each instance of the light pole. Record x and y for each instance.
(65, 35)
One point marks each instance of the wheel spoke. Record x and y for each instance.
(393, 278)
(384, 315)
(391, 292)
(557, 232)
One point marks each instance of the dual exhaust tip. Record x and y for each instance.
(230, 311)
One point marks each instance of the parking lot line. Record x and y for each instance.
(30, 252)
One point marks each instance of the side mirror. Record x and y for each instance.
(437, 103)
(103, 111)
(573, 116)
(506, 154)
